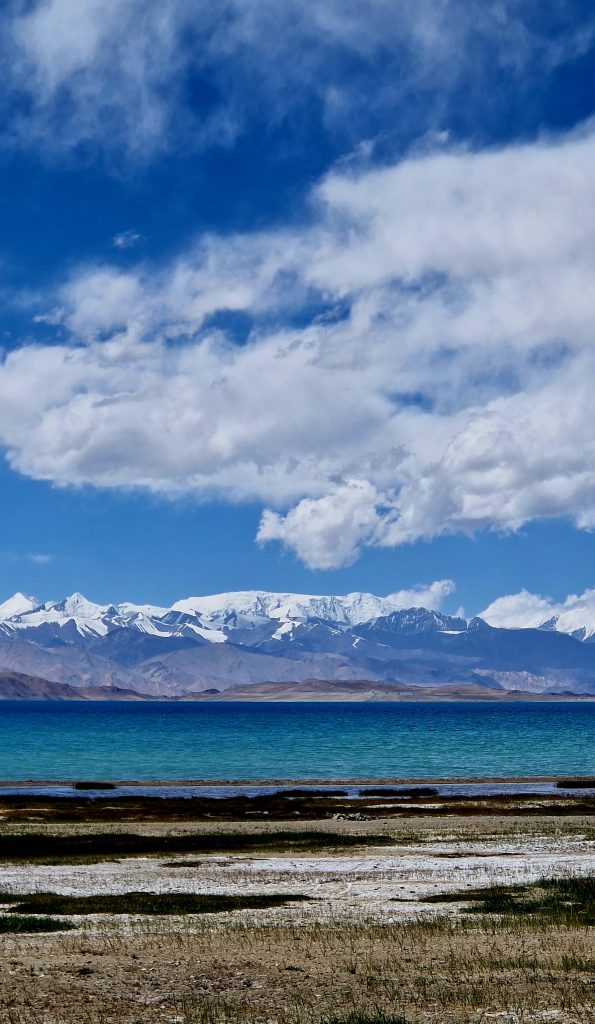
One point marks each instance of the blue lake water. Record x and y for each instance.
(119, 741)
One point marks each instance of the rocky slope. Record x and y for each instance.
(17, 686)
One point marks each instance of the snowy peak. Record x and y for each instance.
(254, 607)
(77, 616)
(577, 622)
(478, 625)
(87, 617)
(18, 604)
(214, 641)
(215, 618)
(78, 607)
(419, 620)
(151, 610)
(248, 608)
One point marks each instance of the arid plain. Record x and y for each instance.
(298, 907)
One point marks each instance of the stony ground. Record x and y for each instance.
(362, 944)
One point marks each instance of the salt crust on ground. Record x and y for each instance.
(380, 882)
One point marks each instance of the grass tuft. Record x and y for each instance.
(177, 903)
(70, 848)
(21, 923)
(563, 901)
(362, 1017)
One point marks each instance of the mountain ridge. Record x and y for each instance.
(363, 690)
(18, 686)
(248, 637)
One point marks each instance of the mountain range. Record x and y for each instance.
(256, 637)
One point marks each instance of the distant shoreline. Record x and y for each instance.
(97, 695)
(16, 686)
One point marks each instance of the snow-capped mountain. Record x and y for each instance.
(212, 617)
(250, 608)
(87, 616)
(257, 636)
(18, 604)
(77, 615)
(579, 623)
(409, 621)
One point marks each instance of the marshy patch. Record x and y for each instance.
(404, 791)
(298, 804)
(310, 792)
(171, 903)
(562, 901)
(48, 848)
(93, 786)
(21, 924)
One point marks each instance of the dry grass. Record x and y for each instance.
(287, 965)
(296, 973)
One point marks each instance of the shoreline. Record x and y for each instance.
(333, 781)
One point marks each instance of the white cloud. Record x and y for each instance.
(443, 382)
(327, 532)
(34, 557)
(431, 596)
(53, 318)
(126, 239)
(525, 610)
(519, 611)
(96, 71)
(115, 74)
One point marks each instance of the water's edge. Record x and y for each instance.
(350, 789)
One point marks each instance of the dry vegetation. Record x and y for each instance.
(427, 918)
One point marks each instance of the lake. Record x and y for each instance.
(161, 741)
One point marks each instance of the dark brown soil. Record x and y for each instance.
(296, 805)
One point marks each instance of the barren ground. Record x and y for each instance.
(362, 944)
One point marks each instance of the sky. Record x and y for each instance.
(298, 297)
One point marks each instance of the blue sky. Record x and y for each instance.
(297, 298)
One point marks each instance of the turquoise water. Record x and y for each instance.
(48, 740)
(40, 740)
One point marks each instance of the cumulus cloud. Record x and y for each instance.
(327, 532)
(420, 359)
(525, 610)
(519, 611)
(432, 595)
(117, 75)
